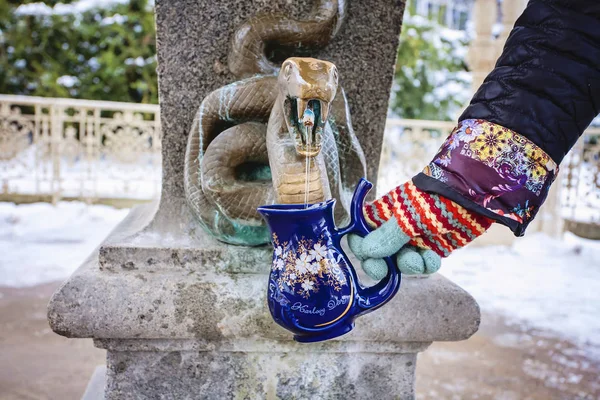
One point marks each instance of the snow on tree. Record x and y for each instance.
(91, 49)
(431, 79)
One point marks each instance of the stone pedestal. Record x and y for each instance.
(260, 369)
(183, 316)
(186, 317)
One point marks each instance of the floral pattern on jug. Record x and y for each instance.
(306, 267)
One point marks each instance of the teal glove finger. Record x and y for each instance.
(376, 268)
(384, 241)
(432, 260)
(355, 243)
(410, 261)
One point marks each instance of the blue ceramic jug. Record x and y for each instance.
(313, 289)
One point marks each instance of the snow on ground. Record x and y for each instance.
(541, 282)
(42, 243)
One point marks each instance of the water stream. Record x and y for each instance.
(308, 120)
(307, 180)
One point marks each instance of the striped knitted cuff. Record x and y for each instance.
(431, 221)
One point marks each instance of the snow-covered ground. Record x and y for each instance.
(42, 243)
(540, 282)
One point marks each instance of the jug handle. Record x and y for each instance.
(373, 297)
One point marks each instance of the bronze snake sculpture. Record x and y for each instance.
(250, 139)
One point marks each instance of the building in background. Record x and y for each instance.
(453, 14)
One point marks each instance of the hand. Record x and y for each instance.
(388, 240)
(416, 226)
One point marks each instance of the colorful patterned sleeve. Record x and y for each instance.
(491, 170)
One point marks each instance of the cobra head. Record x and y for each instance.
(308, 87)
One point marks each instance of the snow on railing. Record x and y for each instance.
(63, 148)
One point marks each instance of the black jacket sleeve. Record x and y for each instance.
(546, 83)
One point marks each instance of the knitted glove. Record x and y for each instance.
(430, 225)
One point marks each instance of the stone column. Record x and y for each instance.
(511, 10)
(482, 52)
(182, 315)
(449, 17)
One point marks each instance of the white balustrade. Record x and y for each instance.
(580, 180)
(63, 148)
(407, 147)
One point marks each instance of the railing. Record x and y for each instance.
(89, 150)
(92, 150)
(408, 145)
(580, 191)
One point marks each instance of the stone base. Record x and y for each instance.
(95, 388)
(588, 230)
(181, 320)
(259, 370)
